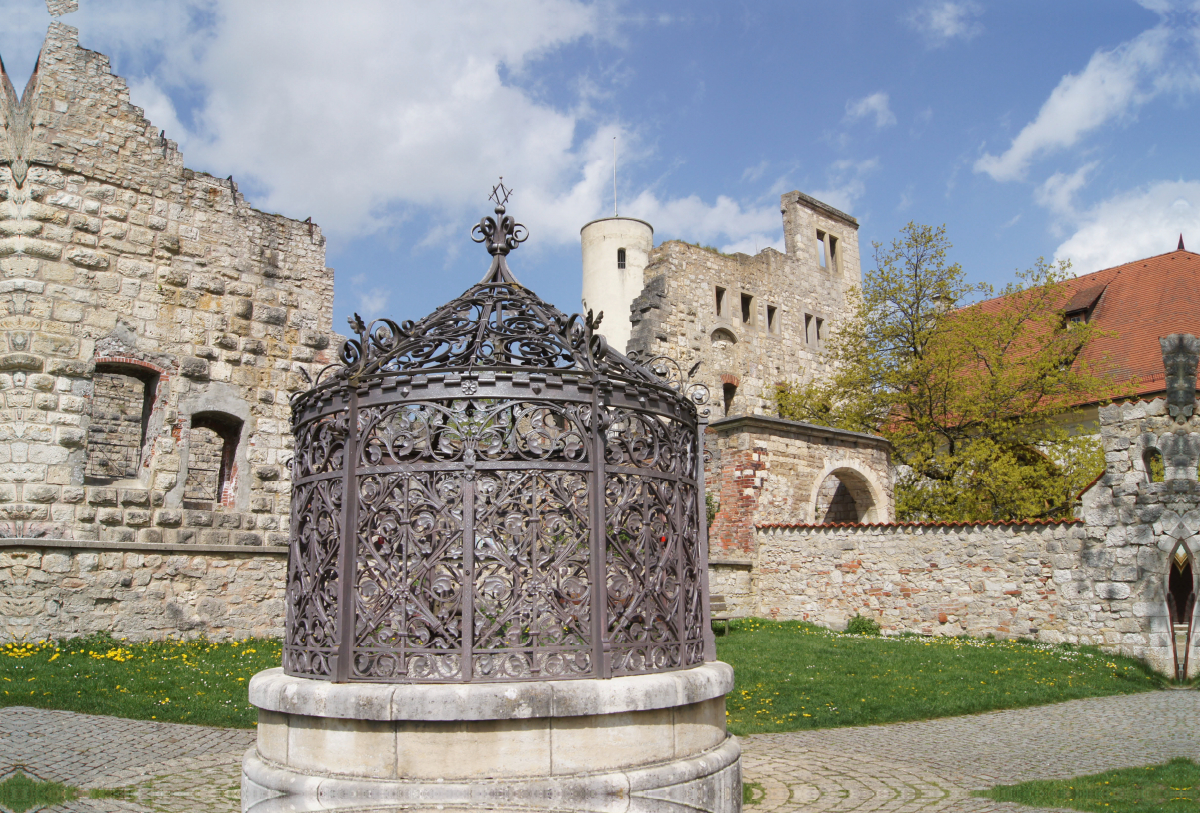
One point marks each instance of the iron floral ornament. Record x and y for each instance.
(491, 493)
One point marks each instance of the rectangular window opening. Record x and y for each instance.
(820, 329)
(621, 258)
(808, 331)
(833, 252)
(121, 404)
(772, 319)
(720, 301)
(728, 391)
(821, 248)
(747, 309)
(211, 465)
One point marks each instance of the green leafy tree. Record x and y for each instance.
(975, 398)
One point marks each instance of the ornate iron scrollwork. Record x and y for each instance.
(492, 493)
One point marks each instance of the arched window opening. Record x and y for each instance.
(844, 496)
(722, 338)
(728, 392)
(211, 466)
(1156, 471)
(121, 404)
(621, 258)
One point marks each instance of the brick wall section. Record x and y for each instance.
(766, 470)
(112, 252)
(676, 314)
(52, 591)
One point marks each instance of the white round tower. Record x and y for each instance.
(615, 253)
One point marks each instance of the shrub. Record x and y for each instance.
(861, 625)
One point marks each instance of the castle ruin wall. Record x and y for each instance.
(152, 325)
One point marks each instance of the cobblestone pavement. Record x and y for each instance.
(934, 765)
(171, 767)
(930, 766)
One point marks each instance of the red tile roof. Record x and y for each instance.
(1137, 303)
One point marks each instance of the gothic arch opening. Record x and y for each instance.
(1181, 601)
(845, 495)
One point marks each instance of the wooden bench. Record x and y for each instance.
(719, 611)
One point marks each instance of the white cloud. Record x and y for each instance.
(1057, 193)
(1140, 223)
(874, 105)
(944, 20)
(846, 184)
(362, 114)
(370, 300)
(693, 219)
(1113, 83)
(21, 35)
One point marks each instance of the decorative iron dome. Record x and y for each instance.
(493, 494)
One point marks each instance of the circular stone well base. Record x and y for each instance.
(640, 743)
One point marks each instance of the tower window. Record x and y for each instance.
(821, 259)
(720, 301)
(747, 309)
(808, 328)
(833, 252)
(621, 258)
(772, 319)
(819, 333)
(728, 391)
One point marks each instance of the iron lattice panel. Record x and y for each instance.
(492, 494)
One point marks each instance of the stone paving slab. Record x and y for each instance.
(929, 766)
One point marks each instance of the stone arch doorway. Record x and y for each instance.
(1181, 602)
(845, 494)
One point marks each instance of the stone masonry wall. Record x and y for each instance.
(149, 592)
(927, 579)
(676, 313)
(116, 260)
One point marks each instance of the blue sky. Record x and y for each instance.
(1056, 128)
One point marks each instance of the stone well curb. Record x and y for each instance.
(274, 691)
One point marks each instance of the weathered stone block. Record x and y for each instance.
(194, 368)
(168, 517)
(102, 496)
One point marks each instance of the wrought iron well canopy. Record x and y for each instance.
(493, 494)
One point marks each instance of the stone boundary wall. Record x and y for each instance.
(932, 579)
(56, 588)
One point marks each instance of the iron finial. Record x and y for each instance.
(501, 233)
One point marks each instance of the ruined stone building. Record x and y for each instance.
(751, 323)
(152, 327)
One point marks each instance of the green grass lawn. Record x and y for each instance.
(1170, 788)
(792, 676)
(174, 681)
